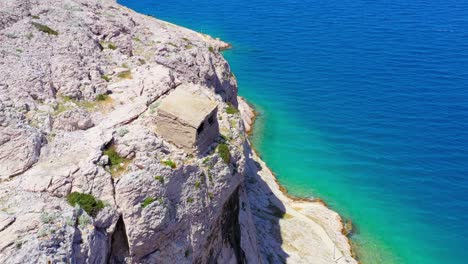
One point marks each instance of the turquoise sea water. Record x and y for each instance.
(362, 103)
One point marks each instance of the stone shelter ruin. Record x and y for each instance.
(188, 120)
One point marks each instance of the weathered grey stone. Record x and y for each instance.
(75, 119)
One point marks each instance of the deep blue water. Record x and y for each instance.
(363, 103)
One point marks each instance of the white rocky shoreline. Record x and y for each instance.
(310, 231)
(80, 85)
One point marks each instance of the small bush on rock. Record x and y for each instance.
(223, 151)
(112, 46)
(231, 110)
(106, 78)
(114, 157)
(147, 201)
(170, 163)
(102, 97)
(159, 178)
(86, 201)
(125, 75)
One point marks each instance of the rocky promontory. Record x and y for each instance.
(85, 178)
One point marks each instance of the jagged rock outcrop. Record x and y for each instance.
(80, 84)
(81, 77)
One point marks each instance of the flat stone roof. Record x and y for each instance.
(187, 106)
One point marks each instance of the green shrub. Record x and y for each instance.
(125, 75)
(206, 160)
(34, 17)
(85, 201)
(197, 184)
(159, 178)
(190, 200)
(112, 46)
(147, 201)
(211, 49)
(102, 97)
(210, 195)
(223, 151)
(114, 157)
(231, 109)
(106, 78)
(172, 44)
(44, 28)
(170, 163)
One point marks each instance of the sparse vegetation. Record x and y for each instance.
(172, 44)
(105, 78)
(112, 46)
(83, 220)
(231, 110)
(141, 61)
(210, 195)
(19, 50)
(35, 17)
(86, 201)
(102, 97)
(159, 178)
(170, 163)
(118, 164)
(122, 132)
(197, 184)
(147, 201)
(125, 75)
(114, 158)
(44, 28)
(211, 49)
(223, 151)
(189, 47)
(206, 160)
(47, 218)
(190, 200)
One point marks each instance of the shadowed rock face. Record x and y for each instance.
(119, 245)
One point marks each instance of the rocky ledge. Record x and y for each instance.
(84, 178)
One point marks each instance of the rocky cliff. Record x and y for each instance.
(84, 178)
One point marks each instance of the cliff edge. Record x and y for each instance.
(85, 177)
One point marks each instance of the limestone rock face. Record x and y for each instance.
(75, 119)
(81, 83)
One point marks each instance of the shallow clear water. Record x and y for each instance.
(363, 103)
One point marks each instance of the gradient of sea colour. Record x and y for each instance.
(362, 103)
